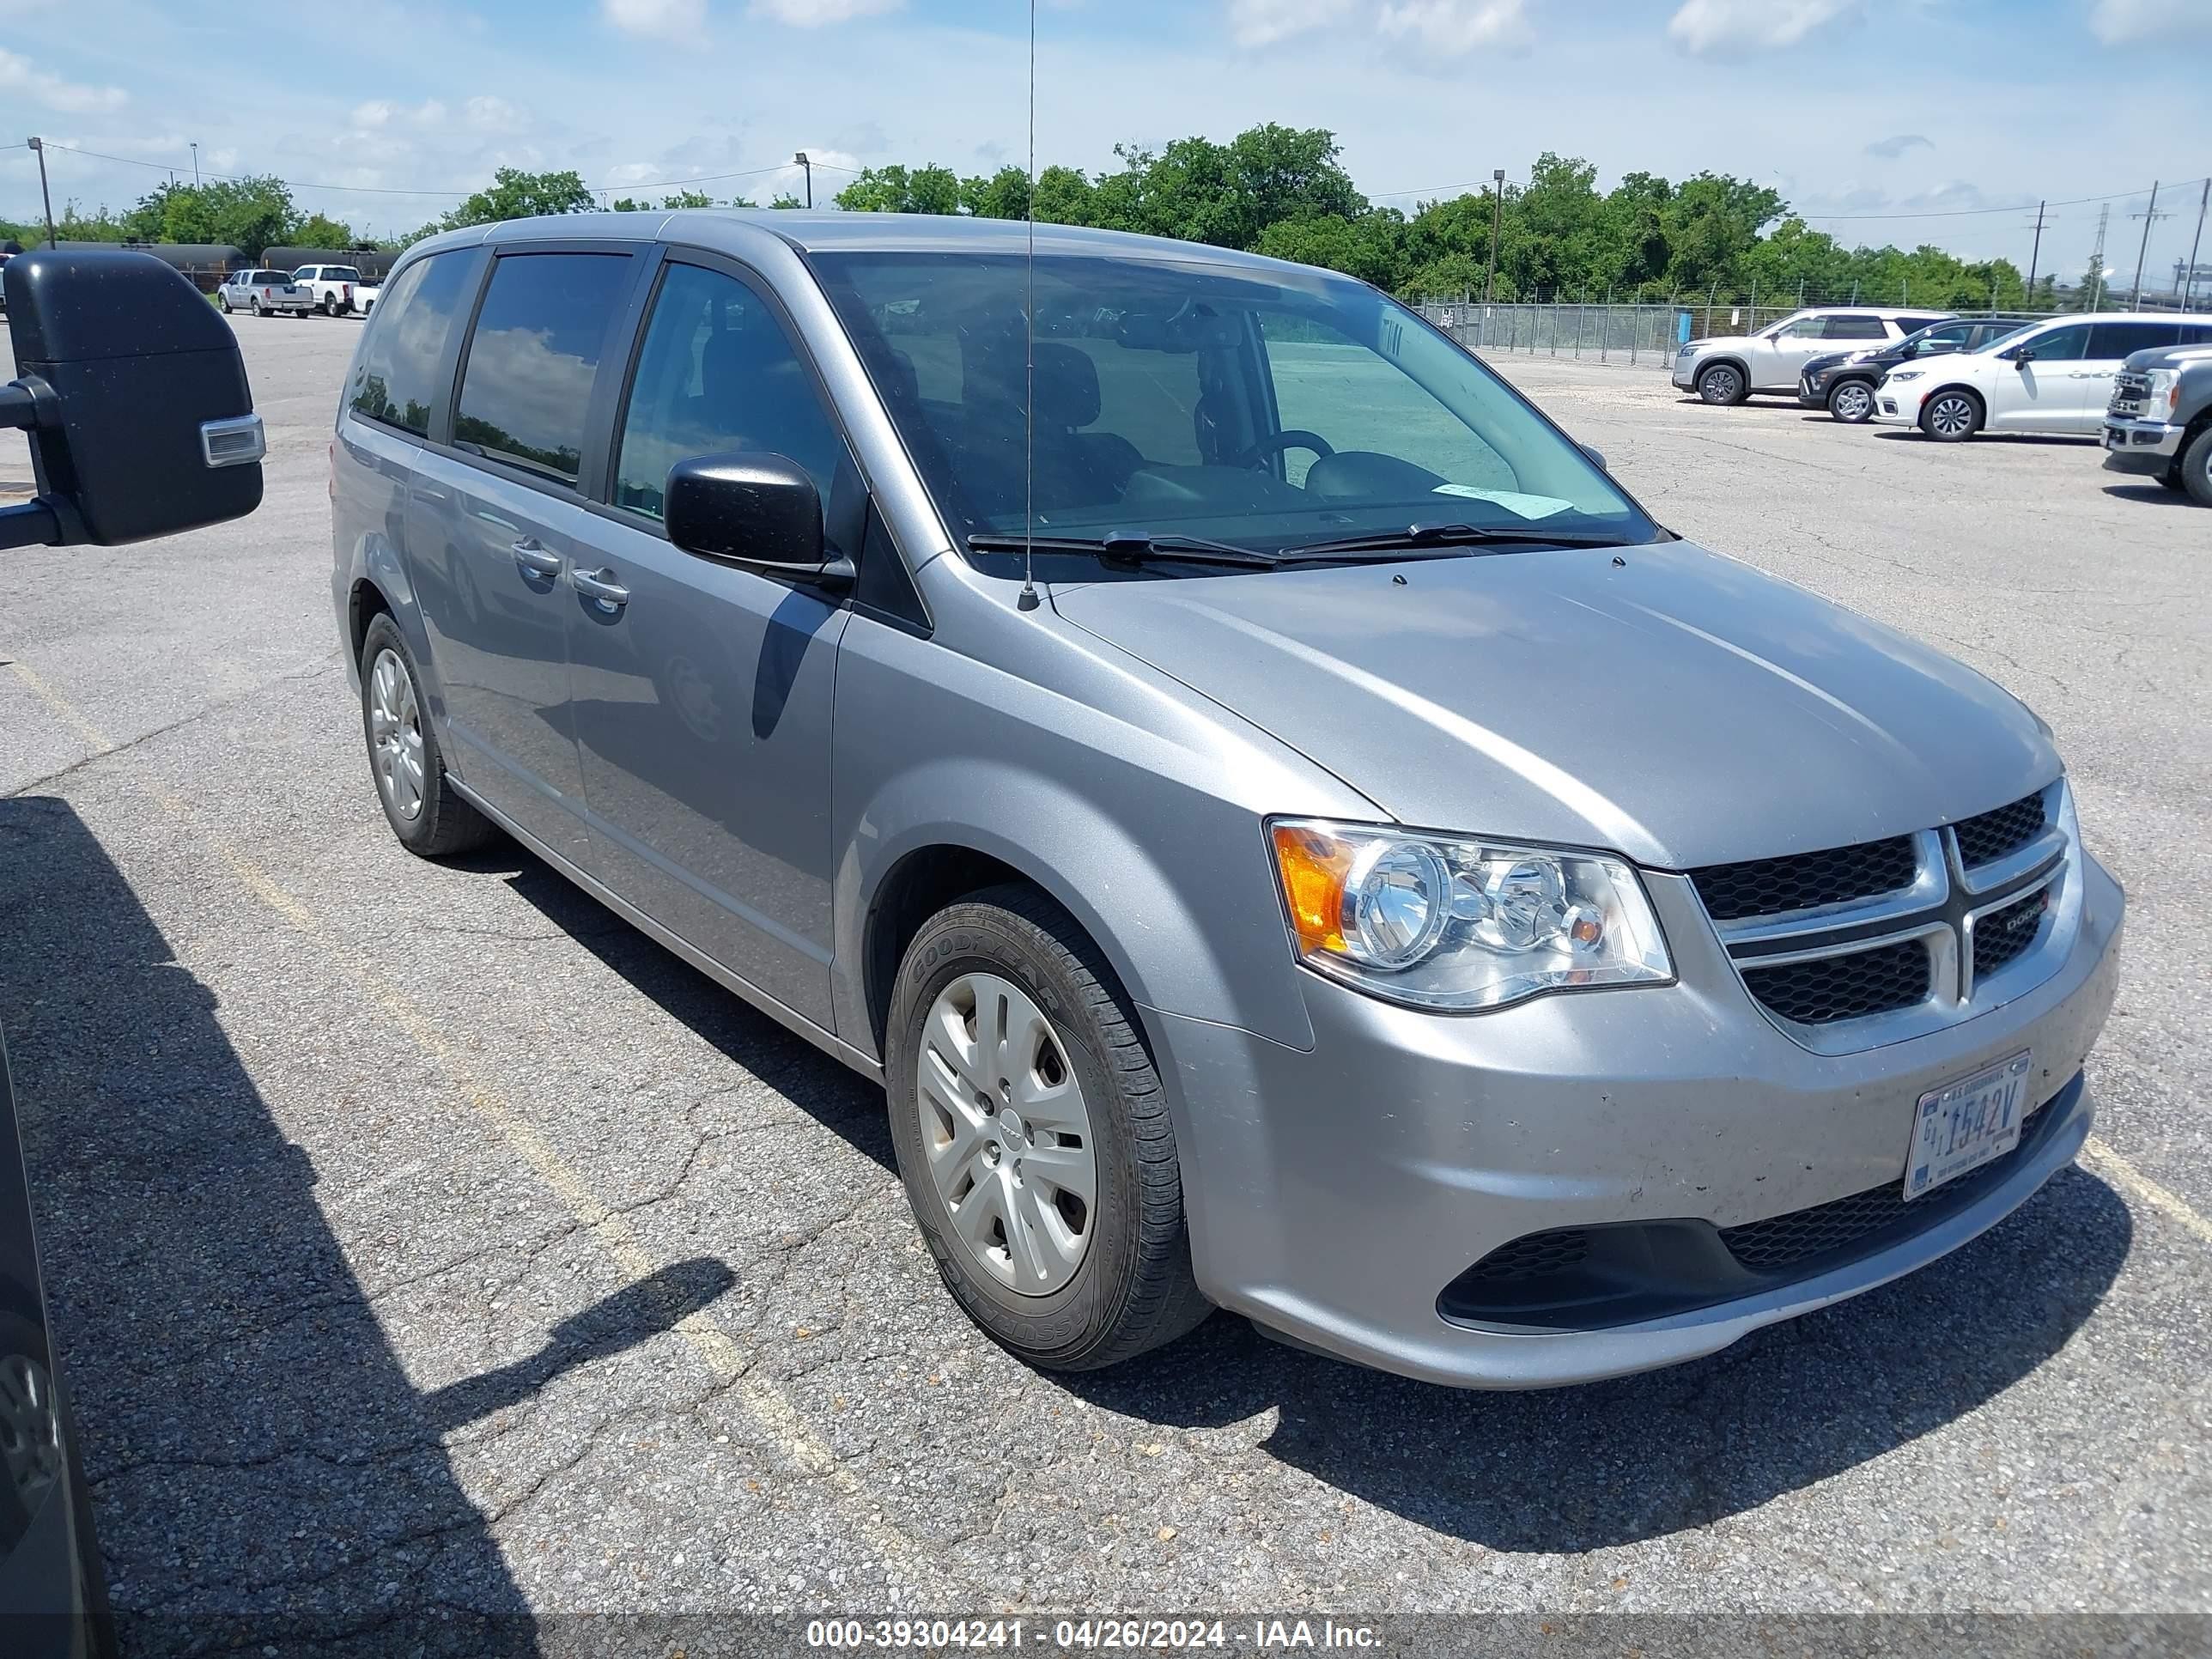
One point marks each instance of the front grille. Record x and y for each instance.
(1782, 1242)
(1532, 1257)
(1764, 887)
(1830, 988)
(2129, 392)
(2001, 936)
(1990, 837)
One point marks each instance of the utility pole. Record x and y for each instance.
(2035, 259)
(2189, 281)
(801, 159)
(1496, 219)
(2097, 260)
(2149, 215)
(45, 198)
(196, 164)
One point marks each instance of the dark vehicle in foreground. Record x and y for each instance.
(1291, 833)
(1843, 382)
(135, 400)
(2159, 422)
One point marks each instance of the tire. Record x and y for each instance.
(2196, 467)
(441, 822)
(1131, 1289)
(1722, 384)
(255, 304)
(222, 302)
(330, 305)
(1952, 415)
(2171, 478)
(1851, 402)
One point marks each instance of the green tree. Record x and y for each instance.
(514, 194)
(248, 214)
(316, 231)
(1004, 194)
(895, 189)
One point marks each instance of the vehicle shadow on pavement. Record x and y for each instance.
(833, 1095)
(262, 1469)
(1612, 1463)
(2150, 493)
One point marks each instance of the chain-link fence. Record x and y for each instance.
(1641, 335)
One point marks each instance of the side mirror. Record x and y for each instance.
(2022, 355)
(134, 397)
(753, 508)
(1597, 455)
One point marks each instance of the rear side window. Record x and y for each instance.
(1855, 328)
(2118, 339)
(539, 339)
(395, 381)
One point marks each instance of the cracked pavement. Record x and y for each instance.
(426, 1247)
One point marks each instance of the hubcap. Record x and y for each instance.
(1853, 401)
(395, 735)
(1721, 385)
(1950, 417)
(1006, 1135)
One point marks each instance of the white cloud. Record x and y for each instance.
(814, 14)
(1724, 28)
(669, 19)
(488, 114)
(2116, 22)
(1452, 27)
(1263, 22)
(44, 87)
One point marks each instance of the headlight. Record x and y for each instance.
(1458, 923)
(2164, 392)
(1903, 375)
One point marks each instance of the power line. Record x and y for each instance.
(1962, 213)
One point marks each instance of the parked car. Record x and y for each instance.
(141, 425)
(365, 295)
(2160, 422)
(264, 293)
(2054, 378)
(1289, 830)
(1729, 368)
(333, 288)
(1843, 382)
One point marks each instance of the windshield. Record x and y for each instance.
(340, 274)
(1261, 409)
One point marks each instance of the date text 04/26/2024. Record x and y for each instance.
(1123, 1635)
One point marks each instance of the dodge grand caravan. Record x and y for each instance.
(1288, 831)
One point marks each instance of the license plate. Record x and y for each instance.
(1964, 1125)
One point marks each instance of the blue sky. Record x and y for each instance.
(1858, 107)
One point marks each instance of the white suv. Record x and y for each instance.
(2055, 376)
(1729, 368)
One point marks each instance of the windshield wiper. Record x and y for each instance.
(1449, 535)
(1131, 546)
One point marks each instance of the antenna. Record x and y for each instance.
(1028, 596)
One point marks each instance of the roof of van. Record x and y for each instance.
(828, 231)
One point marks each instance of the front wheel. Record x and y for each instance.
(1033, 1136)
(2197, 468)
(1722, 383)
(1951, 417)
(1851, 402)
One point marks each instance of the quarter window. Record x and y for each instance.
(1857, 328)
(2118, 339)
(539, 339)
(718, 372)
(395, 381)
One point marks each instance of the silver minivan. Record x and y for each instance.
(1288, 831)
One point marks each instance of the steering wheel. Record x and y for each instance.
(1275, 443)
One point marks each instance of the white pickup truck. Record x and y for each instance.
(339, 289)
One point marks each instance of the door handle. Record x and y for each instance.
(601, 584)
(537, 559)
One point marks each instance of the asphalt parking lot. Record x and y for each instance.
(423, 1237)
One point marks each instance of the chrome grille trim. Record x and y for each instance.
(1939, 910)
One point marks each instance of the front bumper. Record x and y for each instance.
(1334, 1193)
(1897, 405)
(2145, 447)
(1685, 376)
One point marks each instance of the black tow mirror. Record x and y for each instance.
(134, 397)
(754, 508)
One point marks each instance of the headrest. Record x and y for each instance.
(1067, 385)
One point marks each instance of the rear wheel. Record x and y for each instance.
(1724, 383)
(255, 303)
(420, 803)
(2197, 468)
(330, 305)
(1033, 1136)
(1951, 416)
(1851, 402)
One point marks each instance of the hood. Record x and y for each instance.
(1680, 707)
(1734, 342)
(2174, 356)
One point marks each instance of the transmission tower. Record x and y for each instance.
(2097, 261)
